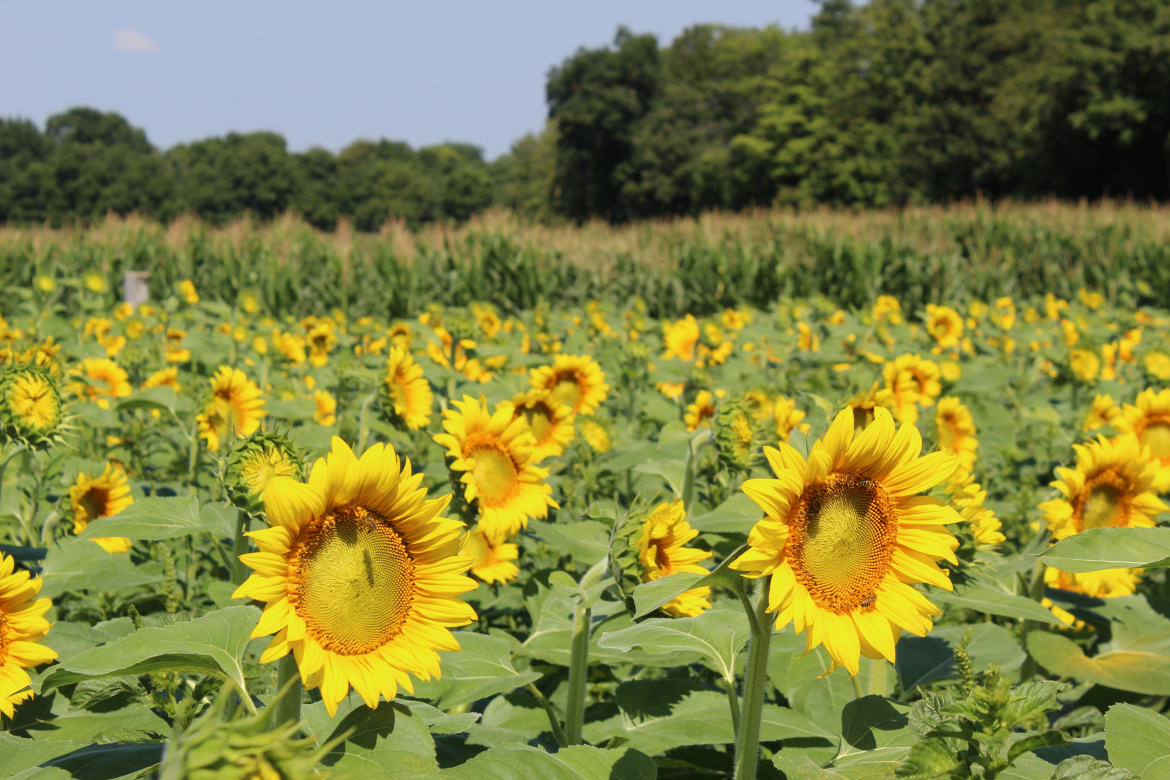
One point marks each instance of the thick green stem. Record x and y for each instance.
(579, 657)
(193, 455)
(733, 703)
(877, 676)
(692, 463)
(239, 547)
(288, 686)
(857, 692)
(747, 745)
(364, 423)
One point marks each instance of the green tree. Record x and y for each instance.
(524, 176)
(222, 178)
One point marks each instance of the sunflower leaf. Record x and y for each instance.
(156, 518)
(1138, 739)
(482, 668)
(718, 635)
(988, 599)
(78, 564)
(160, 399)
(1111, 548)
(387, 743)
(522, 762)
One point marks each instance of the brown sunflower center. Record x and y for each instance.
(539, 419)
(842, 539)
(566, 391)
(351, 581)
(1156, 436)
(494, 474)
(92, 504)
(1103, 503)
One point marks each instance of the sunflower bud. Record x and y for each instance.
(240, 749)
(30, 405)
(254, 462)
(739, 435)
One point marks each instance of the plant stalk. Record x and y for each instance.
(878, 669)
(239, 547)
(579, 658)
(692, 463)
(287, 706)
(558, 732)
(747, 744)
(364, 423)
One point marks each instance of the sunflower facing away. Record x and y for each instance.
(235, 402)
(104, 496)
(1107, 584)
(22, 623)
(1114, 485)
(576, 380)
(662, 551)
(847, 535)
(405, 392)
(495, 453)
(360, 576)
(702, 410)
(1148, 418)
(551, 424)
(967, 496)
(1102, 413)
(493, 560)
(955, 431)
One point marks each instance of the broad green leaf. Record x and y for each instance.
(213, 645)
(650, 596)
(736, 515)
(18, 755)
(159, 518)
(83, 726)
(798, 675)
(1110, 548)
(521, 762)
(162, 399)
(988, 599)
(795, 763)
(673, 471)
(79, 564)
(96, 762)
(922, 660)
(586, 541)
(513, 717)
(482, 668)
(69, 639)
(718, 635)
(874, 730)
(296, 410)
(1138, 739)
(1089, 768)
(931, 758)
(388, 743)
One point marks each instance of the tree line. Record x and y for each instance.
(883, 104)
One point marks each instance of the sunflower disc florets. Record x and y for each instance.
(256, 461)
(30, 406)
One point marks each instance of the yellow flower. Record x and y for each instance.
(1091, 300)
(1106, 584)
(1148, 418)
(187, 289)
(46, 284)
(1101, 414)
(733, 320)
(1053, 306)
(95, 282)
(1157, 365)
(944, 324)
(291, 346)
(1071, 334)
(863, 405)
(951, 371)
(321, 340)
(672, 390)
(886, 309)
(164, 377)
(912, 381)
(104, 496)
(847, 535)
(551, 424)
(1084, 364)
(103, 379)
(360, 576)
(787, 418)
(405, 391)
(662, 551)
(493, 560)
(807, 341)
(326, 411)
(30, 408)
(260, 345)
(495, 453)
(248, 303)
(235, 404)
(22, 625)
(576, 380)
(1114, 485)
(955, 431)
(702, 410)
(595, 434)
(967, 496)
(681, 339)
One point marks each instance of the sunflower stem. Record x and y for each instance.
(857, 691)
(579, 657)
(193, 455)
(364, 424)
(287, 706)
(747, 743)
(693, 449)
(239, 547)
(878, 668)
(557, 731)
(733, 703)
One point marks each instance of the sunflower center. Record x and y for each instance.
(1104, 503)
(351, 581)
(494, 474)
(842, 540)
(1156, 436)
(265, 466)
(539, 419)
(93, 504)
(566, 391)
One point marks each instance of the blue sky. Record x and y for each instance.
(324, 73)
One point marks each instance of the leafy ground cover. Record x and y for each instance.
(583, 542)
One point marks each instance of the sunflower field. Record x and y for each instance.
(581, 542)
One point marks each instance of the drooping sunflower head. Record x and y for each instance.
(257, 460)
(164, 377)
(326, 411)
(494, 454)
(551, 424)
(1085, 364)
(967, 496)
(576, 380)
(30, 405)
(493, 559)
(22, 625)
(955, 431)
(847, 533)
(650, 543)
(739, 435)
(1106, 584)
(1156, 362)
(235, 406)
(360, 575)
(405, 394)
(1115, 485)
(1148, 418)
(944, 324)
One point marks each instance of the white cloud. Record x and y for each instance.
(134, 42)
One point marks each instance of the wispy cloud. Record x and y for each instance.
(134, 42)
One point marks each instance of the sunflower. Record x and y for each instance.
(105, 496)
(787, 418)
(1102, 413)
(1148, 418)
(702, 410)
(681, 338)
(846, 535)
(22, 624)
(30, 405)
(864, 404)
(1106, 584)
(911, 381)
(326, 411)
(164, 377)
(955, 431)
(255, 462)
(886, 309)
(1157, 364)
(1085, 364)
(1114, 485)
(595, 434)
(493, 560)
(944, 324)
(495, 453)
(404, 391)
(967, 496)
(321, 340)
(662, 551)
(551, 424)
(672, 390)
(359, 574)
(575, 380)
(99, 380)
(235, 403)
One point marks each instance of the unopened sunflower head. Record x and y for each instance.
(649, 544)
(739, 435)
(255, 461)
(30, 406)
(241, 748)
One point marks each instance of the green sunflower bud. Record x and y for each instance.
(30, 406)
(254, 462)
(739, 435)
(240, 748)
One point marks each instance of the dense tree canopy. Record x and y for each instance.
(886, 103)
